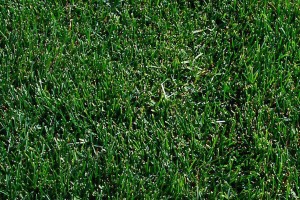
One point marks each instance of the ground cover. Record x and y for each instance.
(149, 99)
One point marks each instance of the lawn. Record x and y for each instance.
(150, 99)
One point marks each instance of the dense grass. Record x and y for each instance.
(149, 99)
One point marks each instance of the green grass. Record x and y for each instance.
(149, 99)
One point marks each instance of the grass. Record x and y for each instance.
(149, 99)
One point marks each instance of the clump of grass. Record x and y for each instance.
(149, 99)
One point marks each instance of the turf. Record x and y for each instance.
(149, 99)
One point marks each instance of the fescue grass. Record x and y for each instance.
(149, 99)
